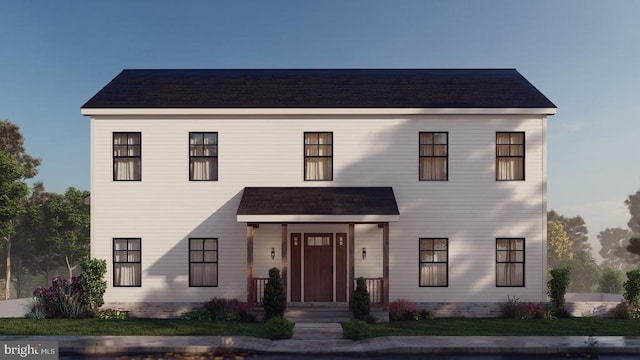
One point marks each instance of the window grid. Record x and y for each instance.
(127, 254)
(318, 156)
(203, 262)
(203, 156)
(127, 159)
(433, 259)
(510, 262)
(433, 156)
(510, 152)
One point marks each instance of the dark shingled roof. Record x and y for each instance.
(318, 201)
(316, 88)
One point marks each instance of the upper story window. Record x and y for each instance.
(318, 156)
(509, 262)
(434, 262)
(434, 154)
(510, 156)
(203, 156)
(127, 161)
(127, 262)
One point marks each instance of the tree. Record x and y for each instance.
(585, 273)
(12, 142)
(584, 269)
(33, 253)
(575, 228)
(12, 192)
(68, 221)
(614, 244)
(611, 281)
(633, 203)
(559, 245)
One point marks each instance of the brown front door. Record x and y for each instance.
(318, 267)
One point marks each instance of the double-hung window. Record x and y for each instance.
(127, 262)
(510, 156)
(509, 262)
(203, 156)
(434, 154)
(434, 262)
(127, 161)
(318, 156)
(203, 262)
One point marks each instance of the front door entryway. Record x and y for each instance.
(318, 267)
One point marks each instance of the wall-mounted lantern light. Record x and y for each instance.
(364, 253)
(273, 253)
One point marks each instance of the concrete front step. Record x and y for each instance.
(318, 315)
(317, 331)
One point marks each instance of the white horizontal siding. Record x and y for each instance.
(471, 208)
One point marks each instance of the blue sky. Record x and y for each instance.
(583, 55)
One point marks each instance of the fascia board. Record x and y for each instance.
(319, 111)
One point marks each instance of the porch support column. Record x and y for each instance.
(250, 288)
(385, 266)
(352, 273)
(284, 263)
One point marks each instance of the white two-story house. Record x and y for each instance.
(429, 183)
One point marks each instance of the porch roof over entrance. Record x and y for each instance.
(318, 204)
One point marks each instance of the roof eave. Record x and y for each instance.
(313, 218)
(317, 111)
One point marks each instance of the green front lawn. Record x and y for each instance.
(439, 326)
(135, 327)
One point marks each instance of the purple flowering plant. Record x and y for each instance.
(62, 299)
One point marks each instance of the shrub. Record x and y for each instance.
(513, 309)
(356, 330)
(611, 281)
(361, 304)
(198, 314)
(273, 301)
(92, 280)
(623, 311)
(38, 310)
(402, 310)
(63, 299)
(279, 328)
(426, 315)
(561, 313)
(557, 286)
(113, 314)
(632, 288)
(225, 309)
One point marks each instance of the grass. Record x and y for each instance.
(508, 327)
(132, 327)
(438, 326)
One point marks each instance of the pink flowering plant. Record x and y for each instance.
(536, 310)
(402, 310)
